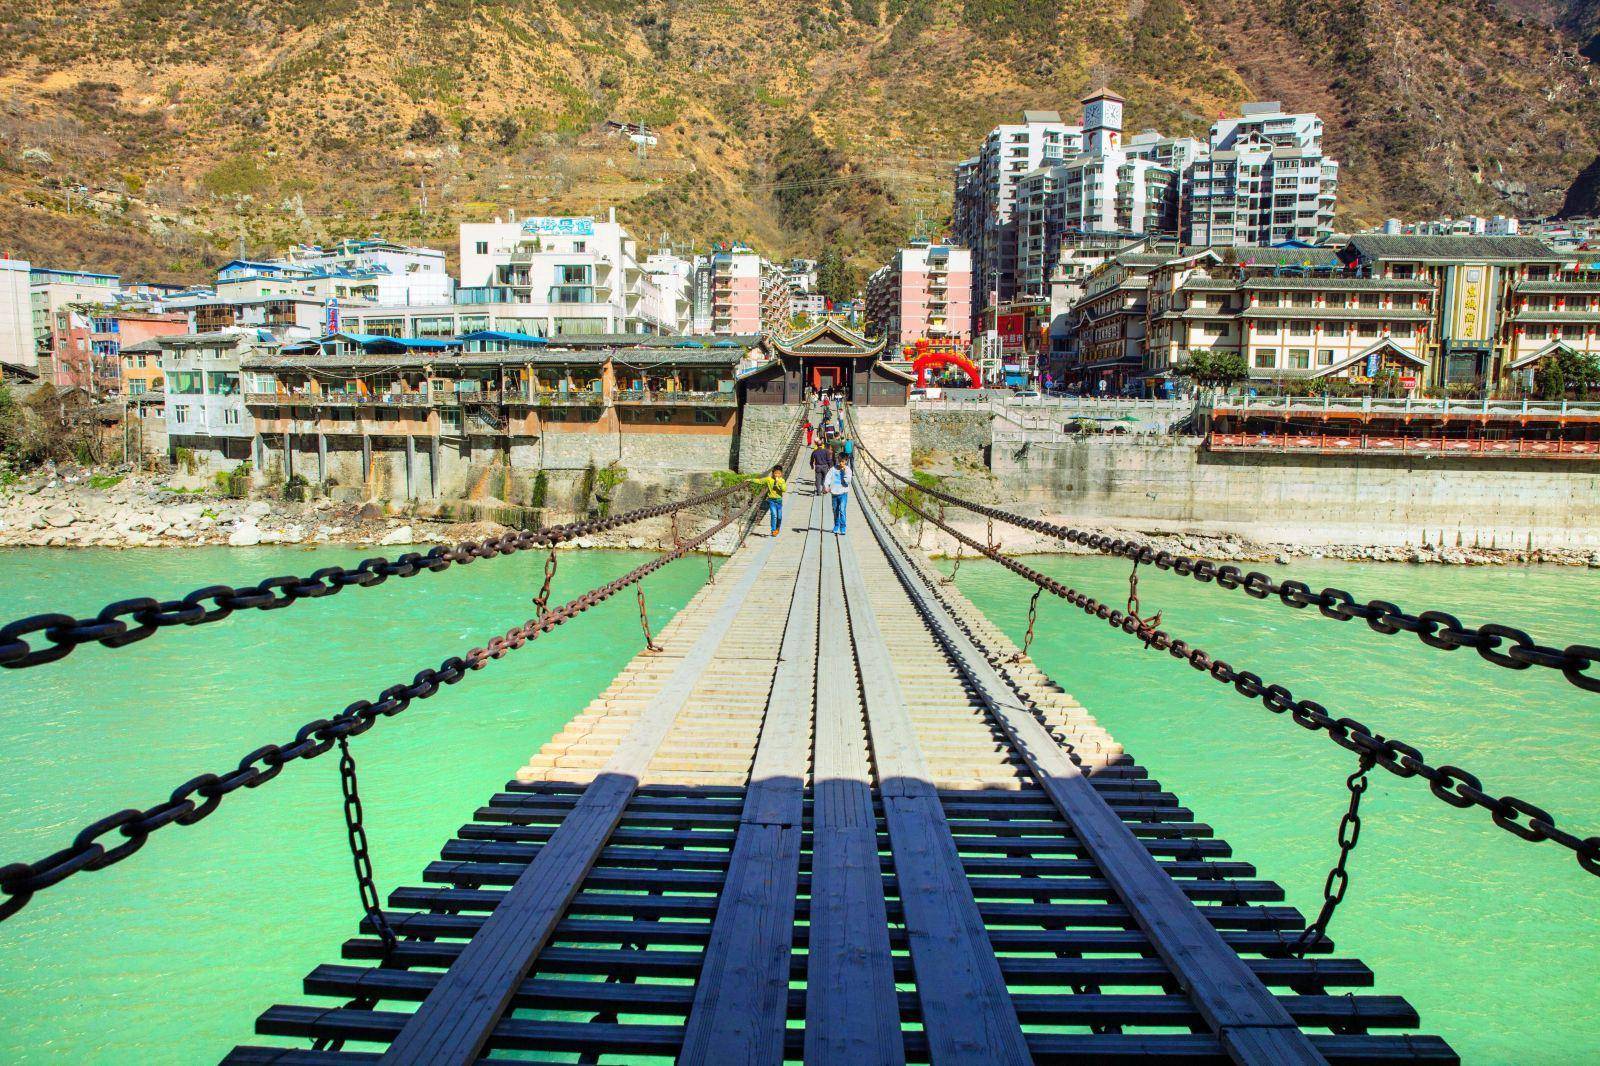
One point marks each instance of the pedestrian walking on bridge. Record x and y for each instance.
(821, 463)
(775, 487)
(838, 485)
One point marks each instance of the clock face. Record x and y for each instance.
(1106, 113)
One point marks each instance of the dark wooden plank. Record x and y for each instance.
(453, 1024)
(740, 998)
(851, 1010)
(1250, 1022)
(966, 1009)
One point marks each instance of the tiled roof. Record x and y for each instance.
(1557, 316)
(1342, 284)
(1560, 288)
(1384, 246)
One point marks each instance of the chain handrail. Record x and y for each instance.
(128, 621)
(1437, 629)
(20, 881)
(1451, 784)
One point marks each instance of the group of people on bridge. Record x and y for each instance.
(831, 455)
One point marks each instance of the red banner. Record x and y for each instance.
(1012, 331)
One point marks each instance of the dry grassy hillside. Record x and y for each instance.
(155, 138)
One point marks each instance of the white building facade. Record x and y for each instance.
(18, 348)
(573, 276)
(1262, 181)
(204, 398)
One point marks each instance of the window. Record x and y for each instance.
(1266, 358)
(569, 327)
(185, 383)
(474, 323)
(222, 383)
(482, 248)
(1301, 327)
(180, 414)
(384, 327)
(1325, 357)
(1300, 358)
(230, 417)
(572, 275)
(434, 326)
(1267, 328)
(1367, 329)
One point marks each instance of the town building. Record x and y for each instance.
(87, 340)
(807, 307)
(983, 214)
(1549, 309)
(737, 292)
(51, 292)
(208, 423)
(408, 417)
(828, 356)
(573, 276)
(1447, 226)
(924, 292)
(1107, 188)
(19, 351)
(1262, 180)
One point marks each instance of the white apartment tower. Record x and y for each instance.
(1263, 181)
(1105, 189)
(986, 191)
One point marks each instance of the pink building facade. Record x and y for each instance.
(924, 292)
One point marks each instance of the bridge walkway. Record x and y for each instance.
(838, 819)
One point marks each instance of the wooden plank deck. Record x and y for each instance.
(834, 822)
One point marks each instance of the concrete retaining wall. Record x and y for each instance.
(1376, 500)
(964, 433)
(763, 434)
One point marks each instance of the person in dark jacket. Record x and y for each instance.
(821, 463)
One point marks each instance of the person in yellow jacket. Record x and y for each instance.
(775, 487)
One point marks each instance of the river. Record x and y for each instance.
(169, 956)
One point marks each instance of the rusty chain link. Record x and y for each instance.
(127, 621)
(543, 598)
(1501, 645)
(1033, 616)
(197, 798)
(644, 620)
(1338, 882)
(1450, 784)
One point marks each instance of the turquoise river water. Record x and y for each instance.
(169, 956)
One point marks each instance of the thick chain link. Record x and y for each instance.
(128, 621)
(355, 828)
(1450, 784)
(90, 849)
(1338, 882)
(644, 619)
(541, 601)
(1501, 645)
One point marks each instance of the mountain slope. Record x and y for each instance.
(175, 134)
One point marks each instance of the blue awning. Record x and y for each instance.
(524, 340)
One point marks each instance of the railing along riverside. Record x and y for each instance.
(1402, 405)
(1337, 443)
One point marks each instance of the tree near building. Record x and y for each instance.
(1563, 371)
(1214, 369)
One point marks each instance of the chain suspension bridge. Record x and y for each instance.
(830, 814)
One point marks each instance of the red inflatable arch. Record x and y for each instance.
(936, 359)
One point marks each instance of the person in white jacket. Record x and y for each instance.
(837, 486)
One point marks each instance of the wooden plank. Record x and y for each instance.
(1251, 1024)
(740, 999)
(851, 1010)
(966, 1009)
(454, 1023)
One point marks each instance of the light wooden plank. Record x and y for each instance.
(741, 995)
(1252, 1024)
(456, 1020)
(851, 1008)
(967, 1012)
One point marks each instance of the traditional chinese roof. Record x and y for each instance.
(1549, 349)
(1559, 288)
(1453, 249)
(1557, 316)
(1408, 314)
(826, 338)
(1383, 343)
(1342, 284)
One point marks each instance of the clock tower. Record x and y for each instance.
(1102, 121)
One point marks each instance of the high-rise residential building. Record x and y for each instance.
(983, 217)
(673, 279)
(18, 349)
(924, 292)
(568, 276)
(1263, 180)
(1108, 188)
(373, 271)
(738, 293)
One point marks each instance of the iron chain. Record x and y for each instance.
(1338, 882)
(128, 621)
(1451, 784)
(197, 798)
(1501, 645)
(355, 829)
